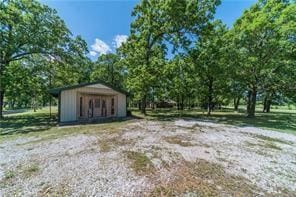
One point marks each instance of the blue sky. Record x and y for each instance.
(105, 24)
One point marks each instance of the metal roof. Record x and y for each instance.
(56, 91)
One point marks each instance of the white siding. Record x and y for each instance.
(68, 105)
(121, 105)
(69, 101)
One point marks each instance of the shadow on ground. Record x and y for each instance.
(277, 120)
(21, 124)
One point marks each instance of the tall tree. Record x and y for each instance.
(108, 68)
(28, 28)
(210, 62)
(180, 80)
(157, 23)
(258, 35)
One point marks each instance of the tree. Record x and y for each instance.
(259, 38)
(29, 28)
(210, 63)
(157, 23)
(180, 81)
(108, 68)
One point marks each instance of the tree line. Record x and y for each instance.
(176, 50)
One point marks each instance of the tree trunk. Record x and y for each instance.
(2, 66)
(1, 103)
(189, 104)
(236, 103)
(249, 100)
(252, 103)
(143, 105)
(139, 105)
(182, 103)
(267, 103)
(210, 97)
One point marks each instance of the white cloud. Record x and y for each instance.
(118, 40)
(100, 47)
(93, 53)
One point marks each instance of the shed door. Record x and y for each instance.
(97, 106)
(104, 107)
(90, 107)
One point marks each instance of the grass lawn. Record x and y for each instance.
(25, 121)
(38, 124)
(282, 119)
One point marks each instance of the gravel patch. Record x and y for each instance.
(76, 165)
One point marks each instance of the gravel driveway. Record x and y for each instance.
(143, 158)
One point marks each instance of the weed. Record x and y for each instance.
(270, 139)
(203, 178)
(140, 162)
(272, 146)
(30, 170)
(106, 144)
(178, 140)
(265, 145)
(9, 174)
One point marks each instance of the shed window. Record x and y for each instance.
(80, 107)
(97, 103)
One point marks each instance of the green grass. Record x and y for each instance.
(282, 120)
(178, 140)
(57, 132)
(140, 162)
(30, 170)
(270, 139)
(9, 174)
(272, 146)
(28, 121)
(37, 124)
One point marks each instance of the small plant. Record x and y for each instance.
(9, 174)
(272, 146)
(105, 146)
(178, 140)
(31, 169)
(140, 162)
(270, 139)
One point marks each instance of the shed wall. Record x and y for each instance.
(68, 105)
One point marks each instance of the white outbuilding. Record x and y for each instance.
(88, 102)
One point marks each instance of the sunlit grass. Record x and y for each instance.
(38, 124)
(281, 119)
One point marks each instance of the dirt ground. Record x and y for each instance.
(183, 157)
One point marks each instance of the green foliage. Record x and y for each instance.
(37, 53)
(209, 65)
(209, 57)
(263, 37)
(155, 24)
(180, 81)
(108, 69)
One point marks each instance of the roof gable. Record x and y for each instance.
(96, 84)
